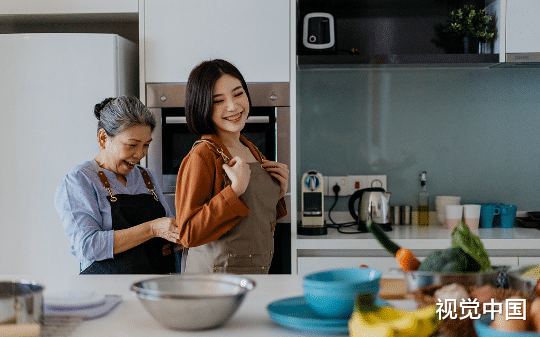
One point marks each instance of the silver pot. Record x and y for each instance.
(422, 279)
(21, 302)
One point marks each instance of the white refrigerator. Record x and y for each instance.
(49, 84)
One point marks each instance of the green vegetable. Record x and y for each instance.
(471, 244)
(451, 260)
(383, 239)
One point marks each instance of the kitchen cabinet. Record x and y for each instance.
(390, 33)
(253, 35)
(39, 7)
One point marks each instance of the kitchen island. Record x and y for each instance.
(130, 318)
(505, 246)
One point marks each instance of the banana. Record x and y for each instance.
(371, 320)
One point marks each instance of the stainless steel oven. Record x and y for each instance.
(267, 127)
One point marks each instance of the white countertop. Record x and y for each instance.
(130, 318)
(414, 237)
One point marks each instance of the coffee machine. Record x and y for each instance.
(312, 205)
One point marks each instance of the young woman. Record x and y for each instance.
(228, 196)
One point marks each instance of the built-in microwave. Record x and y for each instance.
(267, 127)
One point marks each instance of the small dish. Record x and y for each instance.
(74, 299)
(295, 313)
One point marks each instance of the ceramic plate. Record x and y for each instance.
(296, 313)
(74, 299)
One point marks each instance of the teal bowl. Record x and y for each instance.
(332, 293)
(484, 330)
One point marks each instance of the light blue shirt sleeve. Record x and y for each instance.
(81, 202)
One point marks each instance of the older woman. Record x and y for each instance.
(112, 210)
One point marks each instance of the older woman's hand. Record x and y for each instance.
(165, 228)
(280, 172)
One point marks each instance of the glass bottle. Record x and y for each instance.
(423, 202)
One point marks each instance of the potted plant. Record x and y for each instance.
(472, 26)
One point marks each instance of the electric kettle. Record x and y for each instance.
(374, 205)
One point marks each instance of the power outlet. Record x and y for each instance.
(341, 181)
(356, 183)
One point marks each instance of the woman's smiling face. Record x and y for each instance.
(122, 152)
(231, 105)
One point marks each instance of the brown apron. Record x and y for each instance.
(248, 247)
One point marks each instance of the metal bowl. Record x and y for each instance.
(518, 282)
(193, 302)
(421, 279)
(21, 302)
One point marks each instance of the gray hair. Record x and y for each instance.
(115, 115)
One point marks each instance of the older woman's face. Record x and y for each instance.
(122, 152)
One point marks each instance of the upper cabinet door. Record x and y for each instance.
(68, 7)
(254, 35)
(522, 26)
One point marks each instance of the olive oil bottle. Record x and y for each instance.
(423, 202)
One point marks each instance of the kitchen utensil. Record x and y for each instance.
(374, 205)
(318, 32)
(193, 302)
(74, 299)
(296, 313)
(440, 206)
(332, 293)
(420, 279)
(508, 215)
(396, 215)
(454, 214)
(487, 213)
(21, 302)
(312, 204)
(534, 215)
(471, 215)
(406, 214)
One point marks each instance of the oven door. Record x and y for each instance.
(177, 141)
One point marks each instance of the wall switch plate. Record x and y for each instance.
(376, 181)
(342, 182)
(356, 183)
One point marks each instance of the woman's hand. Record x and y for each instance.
(239, 173)
(165, 228)
(280, 172)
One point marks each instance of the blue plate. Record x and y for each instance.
(296, 313)
(483, 329)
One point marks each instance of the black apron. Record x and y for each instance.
(154, 256)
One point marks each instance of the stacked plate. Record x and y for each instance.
(84, 304)
(296, 313)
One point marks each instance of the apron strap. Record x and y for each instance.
(149, 185)
(104, 180)
(226, 159)
(151, 188)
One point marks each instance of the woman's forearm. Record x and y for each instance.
(125, 239)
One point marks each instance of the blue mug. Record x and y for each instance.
(487, 213)
(508, 215)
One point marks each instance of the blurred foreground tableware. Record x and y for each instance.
(332, 293)
(21, 303)
(484, 330)
(193, 302)
(524, 278)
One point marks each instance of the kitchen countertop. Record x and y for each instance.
(526, 240)
(131, 319)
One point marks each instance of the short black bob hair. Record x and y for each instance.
(200, 91)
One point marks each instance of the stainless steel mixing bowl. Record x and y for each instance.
(21, 302)
(419, 279)
(193, 302)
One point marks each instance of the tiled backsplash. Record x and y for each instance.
(475, 131)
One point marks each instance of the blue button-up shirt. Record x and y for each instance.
(81, 201)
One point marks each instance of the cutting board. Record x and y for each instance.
(393, 289)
